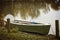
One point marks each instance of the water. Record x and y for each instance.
(49, 17)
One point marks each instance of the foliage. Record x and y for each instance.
(18, 35)
(27, 7)
(15, 29)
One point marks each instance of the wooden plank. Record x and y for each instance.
(57, 28)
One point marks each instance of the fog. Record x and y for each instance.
(49, 17)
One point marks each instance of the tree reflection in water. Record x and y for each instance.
(27, 7)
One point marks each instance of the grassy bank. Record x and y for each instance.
(15, 34)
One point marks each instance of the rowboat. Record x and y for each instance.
(32, 27)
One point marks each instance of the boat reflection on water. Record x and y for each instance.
(32, 27)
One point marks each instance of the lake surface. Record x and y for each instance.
(49, 17)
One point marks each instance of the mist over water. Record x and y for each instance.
(31, 9)
(49, 17)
